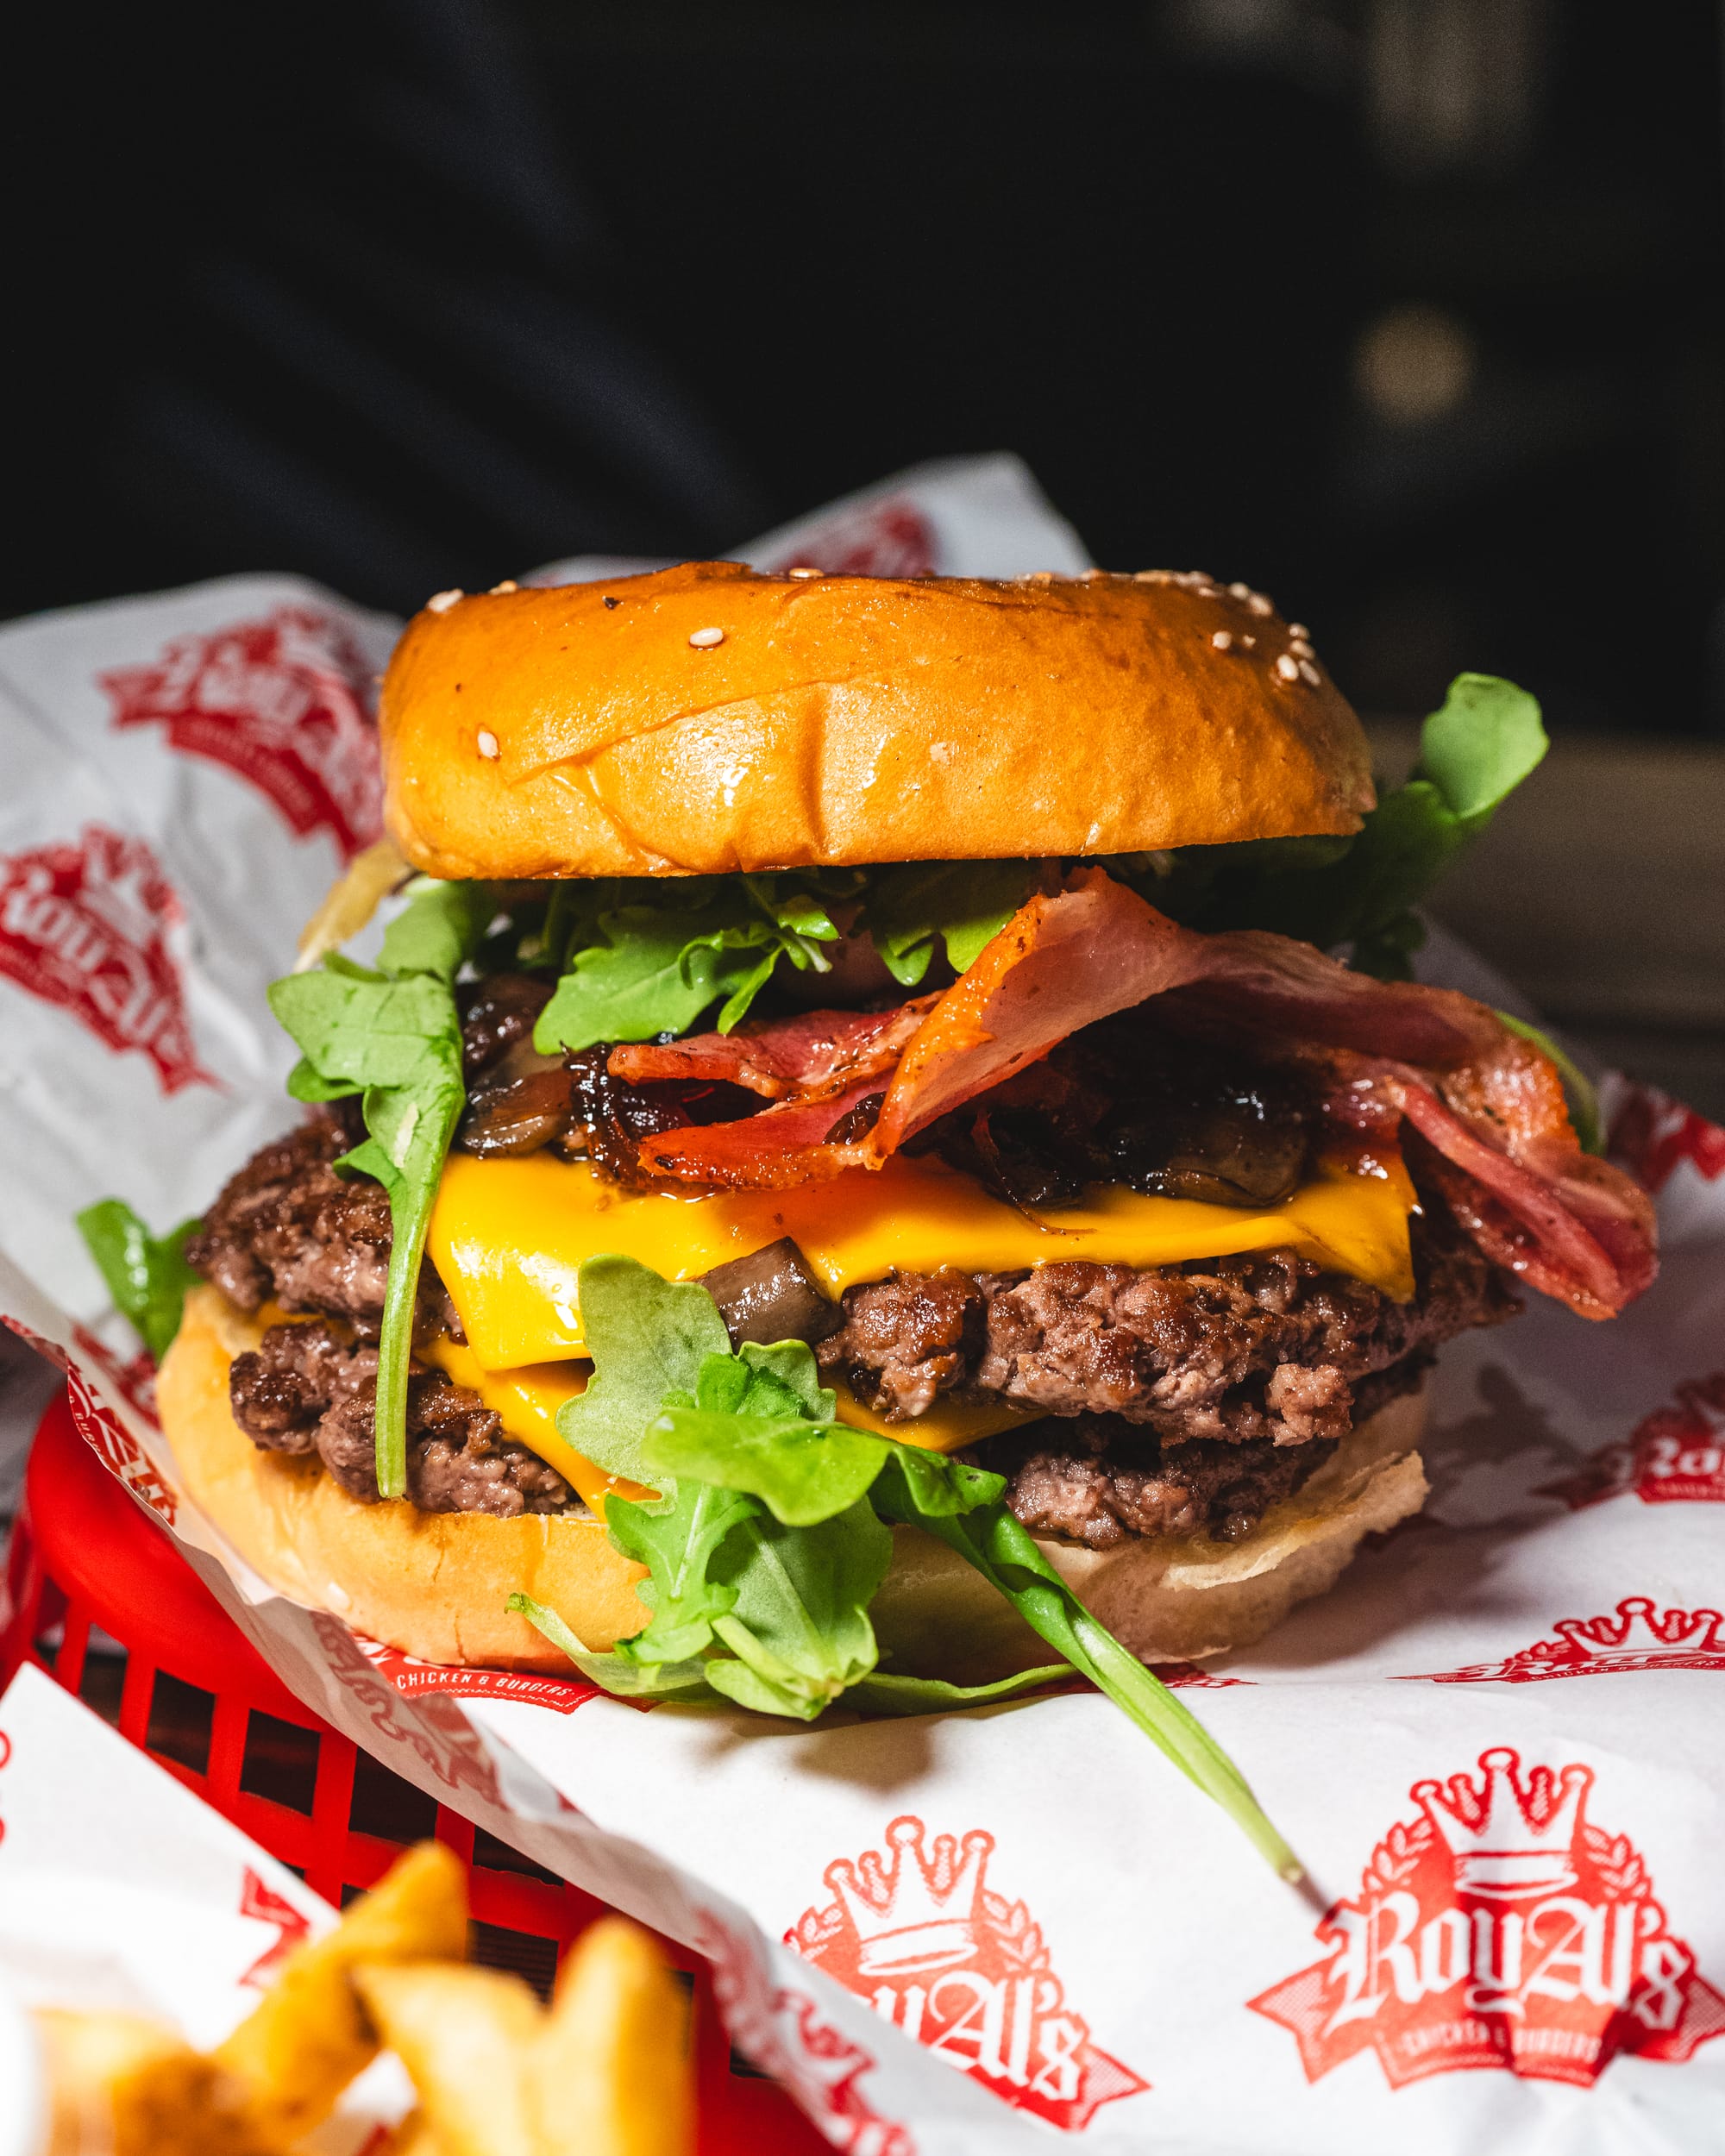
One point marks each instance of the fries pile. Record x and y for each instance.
(606, 2071)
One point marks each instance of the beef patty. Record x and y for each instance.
(1100, 1480)
(1263, 1346)
(1172, 1397)
(306, 1390)
(287, 1229)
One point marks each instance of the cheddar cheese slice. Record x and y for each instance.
(508, 1237)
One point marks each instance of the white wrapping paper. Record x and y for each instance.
(121, 1891)
(1499, 1745)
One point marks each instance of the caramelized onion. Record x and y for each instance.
(772, 1295)
(519, 1115)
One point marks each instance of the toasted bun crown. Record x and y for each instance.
(705, 719)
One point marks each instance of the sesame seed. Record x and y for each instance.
(1288, 668)
(704, 639)
(1222, 640)
(941, 752)
(1093, 576)
(1259, 603)
(1150, 576)
(1310, 672)
(488, 743)
(508, 583)
(1239, 590)
(1249, 643)
(1298, 628)
(441, 602)
(1040, 576)
(1301, 649)
(805, 571)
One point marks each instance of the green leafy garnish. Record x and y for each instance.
(885, 1694)
(641, 957)
(963, 903)
(771, 1534)
(1362, 891)
(393, 1036)
(148, 1276)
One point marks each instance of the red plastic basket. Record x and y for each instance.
(172, 1671)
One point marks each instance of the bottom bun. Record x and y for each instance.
(436, 1584)
(433, 1583)
(1168, 1598)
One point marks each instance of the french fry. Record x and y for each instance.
(126, 2086)
(613, 2071)
(309, 2036)
(415, 2136)
(464, 2036)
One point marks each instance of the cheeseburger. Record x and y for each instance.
(885, 1127)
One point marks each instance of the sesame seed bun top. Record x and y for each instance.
(707, 719)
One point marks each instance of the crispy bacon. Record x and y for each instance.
(811, 1056)
(1487, 1104)
(788, 1144)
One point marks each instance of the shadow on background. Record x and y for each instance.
(1409, 309)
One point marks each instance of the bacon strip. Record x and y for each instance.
(1489, 1105)
(788, 1144)
(811, 1056)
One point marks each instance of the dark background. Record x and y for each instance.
(1409, 309)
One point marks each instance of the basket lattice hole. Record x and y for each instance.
(280, 1762)
(524, 1953)
(384, 1805)
(103, 1677)
(498, 1855)
(181, 1718)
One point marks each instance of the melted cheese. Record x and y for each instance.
(508, 1237)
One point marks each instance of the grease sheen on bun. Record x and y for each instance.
(597, 729)
(435, 1584)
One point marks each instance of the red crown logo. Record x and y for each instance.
(1499, 1928)
(912, 1916)
(917, 1933)
(1634, 1637)
(1510, 1839)
(284, 703)
(1639, 1632)
(92, 926)
(1675, 1456)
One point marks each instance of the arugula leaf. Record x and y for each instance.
(801, 1632)
(883, 1692)
(772, 1534)
(1478, 747)
(148, 1277)
(652, 970)
(393, 1035)
(667, 1681)
(647, 1339)
(964, 904)
(678, 1540)
(807, 1472)
(649, 958)
(643, 957)
(990, 1537)
(1474, 752)
(786, 1603)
